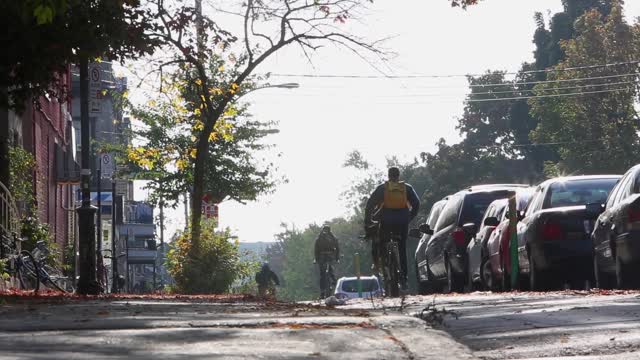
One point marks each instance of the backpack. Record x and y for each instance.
(395, 195)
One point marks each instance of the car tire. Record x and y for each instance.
(453, 282)
(537, 278)
(487, 276)
(424, 287)
(602, 279)
(626, 275)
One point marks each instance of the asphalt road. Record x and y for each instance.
(559, 325)
(196, 329)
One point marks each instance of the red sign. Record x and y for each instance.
(210, 210)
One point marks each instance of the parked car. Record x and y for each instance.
(456, 226)
(476, 248)
(616, 236)
(422, 271)
(496, 260)
(554, 236)
(347, 287)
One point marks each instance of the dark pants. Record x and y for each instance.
(384, 235)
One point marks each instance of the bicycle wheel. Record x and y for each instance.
(393, 270)
(27, 271)
(52, 277)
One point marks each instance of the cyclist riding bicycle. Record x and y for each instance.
(393, 205)
(267, 281)
(326, 252)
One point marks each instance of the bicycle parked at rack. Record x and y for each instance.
(49, 275)
(20, 264)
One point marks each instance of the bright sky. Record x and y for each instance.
(326, 118)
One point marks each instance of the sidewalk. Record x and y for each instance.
(199, 329)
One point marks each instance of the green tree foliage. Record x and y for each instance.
(21, 169)
(170, 126)
(215, 270)
(43, 37)
(597, 132)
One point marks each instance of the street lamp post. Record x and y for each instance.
(87, 284)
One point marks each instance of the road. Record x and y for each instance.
(559, 325)
(188, 328)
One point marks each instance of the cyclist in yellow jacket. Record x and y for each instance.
(394, 204)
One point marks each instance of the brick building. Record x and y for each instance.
(46, 133)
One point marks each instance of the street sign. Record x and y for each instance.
(107, 165)
(95, 88)
(122, 187)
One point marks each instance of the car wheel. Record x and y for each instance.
(626, 275)
(424, 287)
(602, 280)
(537, 280)
(453, 282)
(469, 285)
(486, 275)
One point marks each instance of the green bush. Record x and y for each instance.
(215, 266)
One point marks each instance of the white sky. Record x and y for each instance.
(325, 119)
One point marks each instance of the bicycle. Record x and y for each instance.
(391, 272)
(21, 264)
(48, 274)
(327, 276)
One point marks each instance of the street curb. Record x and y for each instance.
(421, 341)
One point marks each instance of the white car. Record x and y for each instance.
(347, 287)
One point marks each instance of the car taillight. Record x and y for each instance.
(633, 215)
(551, 231)
(459, 237)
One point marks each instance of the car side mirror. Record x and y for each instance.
(470, 228)
(491, 221)
(594, 209)
(425, 229)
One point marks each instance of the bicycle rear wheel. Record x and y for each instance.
(393, 270)
(27, 272)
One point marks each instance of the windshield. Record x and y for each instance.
(579, 192)
(351, 286)
(475, 205)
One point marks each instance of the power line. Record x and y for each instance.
(530, 90)
(551, 95)
(450, 75)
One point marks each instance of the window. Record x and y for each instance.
(536, 199)
(578, 192)
(476, 204)
(611, 200)
(449, 214)
(625, 188)
(351, 286)
(435, 213)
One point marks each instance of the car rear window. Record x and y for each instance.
(351, 286)
(476, 204)
(579, 192)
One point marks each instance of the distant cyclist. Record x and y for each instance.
(326, 252)
(267, 281)
(394, 204)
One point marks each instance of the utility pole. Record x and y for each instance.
(87, 284)
(161, 242)
(114, 255)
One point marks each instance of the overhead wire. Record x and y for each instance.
(421, 76)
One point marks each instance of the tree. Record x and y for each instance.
(597, 131)
(305, 23)
(44, 37)
(164, 154)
